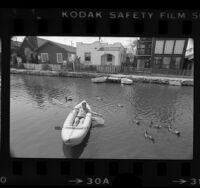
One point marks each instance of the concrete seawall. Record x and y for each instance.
(135, 78)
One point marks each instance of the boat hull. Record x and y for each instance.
(72, 136)
(99, 80)
(126, 81)
(113, 80)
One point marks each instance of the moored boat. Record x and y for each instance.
(113, 79)
(74, 135)
(175, 83)
(126, 81)
(99, 79)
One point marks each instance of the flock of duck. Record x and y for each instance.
(150, 137)
(146, 133)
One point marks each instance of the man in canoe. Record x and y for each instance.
(83, 108)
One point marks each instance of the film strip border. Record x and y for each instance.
(101, 172)
(46, 22)
(95, 172)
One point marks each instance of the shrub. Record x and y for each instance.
(46, 67)
(21, 66)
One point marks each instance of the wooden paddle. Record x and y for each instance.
(96, 121)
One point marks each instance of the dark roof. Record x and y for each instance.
(42, 42)
(15, 44)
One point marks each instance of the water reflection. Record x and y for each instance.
(76, 151)
(35, 114)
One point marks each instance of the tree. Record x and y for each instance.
(132, 45)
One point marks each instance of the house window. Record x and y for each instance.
(147, 64)
(179, 45)
(176, 62)
(159, 46)
(166, 62)
(87, 56)
(157, 62)
(109, 58)
(44, 57)
(169, 44)
(59, 57)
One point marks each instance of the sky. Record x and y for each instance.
(73, 40)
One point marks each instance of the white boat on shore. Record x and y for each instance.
(71, 135)
(175, 82)
(99, 79)
(126, 81)
(113, 79)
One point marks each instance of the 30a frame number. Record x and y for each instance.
(97, 181)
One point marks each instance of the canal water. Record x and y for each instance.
(38, 108)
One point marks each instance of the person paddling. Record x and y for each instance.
(83, 108)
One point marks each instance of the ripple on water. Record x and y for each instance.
(34, 114)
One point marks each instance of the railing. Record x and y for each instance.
(110, 69)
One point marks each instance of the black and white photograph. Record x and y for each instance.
(0, 90)
(101, 97)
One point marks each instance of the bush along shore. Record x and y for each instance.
(135, 78)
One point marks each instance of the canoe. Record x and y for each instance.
(72, 136)
(126, 81)
(99, 79)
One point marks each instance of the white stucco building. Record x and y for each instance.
(98, 53)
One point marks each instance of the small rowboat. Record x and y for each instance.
(99, 79)
(113, 79)
(126, 81)
(174, 83)
(71, 135)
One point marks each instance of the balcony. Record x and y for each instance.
(143, 51)
(146, 39)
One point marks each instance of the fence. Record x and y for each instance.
(32, 66)
(110, 69)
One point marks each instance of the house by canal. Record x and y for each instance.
(38, 50)
(15, 47)
(143, 53)
(98, 53)
(162, 55)
(189, 55)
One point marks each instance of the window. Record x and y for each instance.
(176, 62)
(157, 62)
(87, 56)
(166, 62)
(159, 46)
(179, 45)
(141, 46)
(147, 64)
(59, 57)
(109, 58)
(169, 44)
(44, 57)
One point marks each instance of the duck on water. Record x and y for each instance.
(155, 125)
(174, 131)
(148, 136)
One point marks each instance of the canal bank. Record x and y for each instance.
(135, 78)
